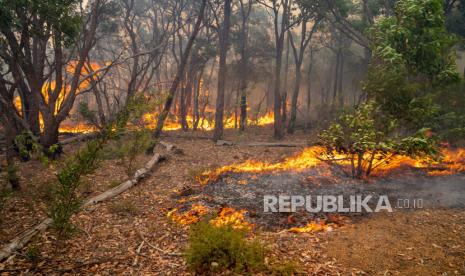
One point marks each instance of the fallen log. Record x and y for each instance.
(138, 175)
(261, 144)
(20, 241)
(79, 138)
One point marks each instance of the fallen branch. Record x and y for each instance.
(261, 144)
(79, 138)
(279, 144)
(174, 254)
(138, 175)
(20, 241)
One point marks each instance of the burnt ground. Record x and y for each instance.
(110, 236)
(407, 189)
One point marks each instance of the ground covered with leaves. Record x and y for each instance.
(131, 234)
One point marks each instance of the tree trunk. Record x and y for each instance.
(244, 65)
(340, 80)
(50, 135)
(295, 98)
(336, 80)
(284, 92)
(197, 91)
(224, 41)
(179, 73)
(309, 92)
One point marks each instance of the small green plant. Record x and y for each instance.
(33, 254)
(213, 249)
(66, 199)
(25, 146)
(12, 176)
(89, 115)
(54, 151)
(138, 143)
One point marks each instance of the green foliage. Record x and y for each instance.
(66, 201)
(25, 146)
(33, 254)
(139, 141)
(213, 249)
(12, 173)
(416, 39)
(413, 58)
(89, 115)
(57, 15)
(368, 139)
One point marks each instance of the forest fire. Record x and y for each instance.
(150, 120)
(453, 161)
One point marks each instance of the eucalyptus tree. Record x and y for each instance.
(44, 46)
(180, 69)
(308, 16)
(281, 14)
(223, 44)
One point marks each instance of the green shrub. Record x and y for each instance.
(12, 175)
(65, 198)
(33, 254)
(213, 249)
(368, 139)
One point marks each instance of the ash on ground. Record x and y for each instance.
(247, 191)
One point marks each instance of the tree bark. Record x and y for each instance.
(245, 13)
(224, 43)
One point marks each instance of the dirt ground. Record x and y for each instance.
(131, 233)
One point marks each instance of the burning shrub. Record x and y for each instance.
(214, 248)
(365, 139)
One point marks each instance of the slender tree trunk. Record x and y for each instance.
(278, 122)
(309, 91)
(336, 80)
(286, 75)
(197, 91)
(244, 65)
(295, 98)
(224, 41)
(340, 80)
(180, 72)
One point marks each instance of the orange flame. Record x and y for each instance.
(312, 227)
(189, 217)
(453, 162)
(226, 216)
(230, 217)
(151, 119)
